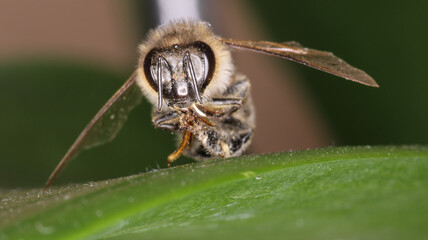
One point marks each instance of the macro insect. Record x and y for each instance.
(186, 72)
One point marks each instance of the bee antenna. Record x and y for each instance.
(160, 84)
(192, 74)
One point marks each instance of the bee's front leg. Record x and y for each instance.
(231, 100)
(169, 121)
(173, 121)
(220, 107)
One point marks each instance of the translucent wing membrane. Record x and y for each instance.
(105, 125)
(324, 61)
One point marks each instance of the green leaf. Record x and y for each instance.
(331, 193)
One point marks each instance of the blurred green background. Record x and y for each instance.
(388, 40)
(47, 100)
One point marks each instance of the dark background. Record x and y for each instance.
(387, 39)
(48, 95)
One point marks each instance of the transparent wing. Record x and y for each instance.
(105, 125)
(324, 61)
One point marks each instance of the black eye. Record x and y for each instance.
(160, 64)
(200, 66)
(206, 63)
(153, 63)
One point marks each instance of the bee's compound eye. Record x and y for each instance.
(204, 63)
(201, 67)
(153, 63)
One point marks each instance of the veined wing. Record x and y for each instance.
(321, 60)
(105, 125)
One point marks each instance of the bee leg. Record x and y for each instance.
(185, 140)
(168, 121)
(233, 98)
(219, 107)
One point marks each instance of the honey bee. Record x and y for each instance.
(186, 72)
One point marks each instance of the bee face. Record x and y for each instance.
(180, 74)
(183, 63)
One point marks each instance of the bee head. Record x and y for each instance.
(181, 63)
(180, 73)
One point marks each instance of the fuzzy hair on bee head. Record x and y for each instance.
(183, 32)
